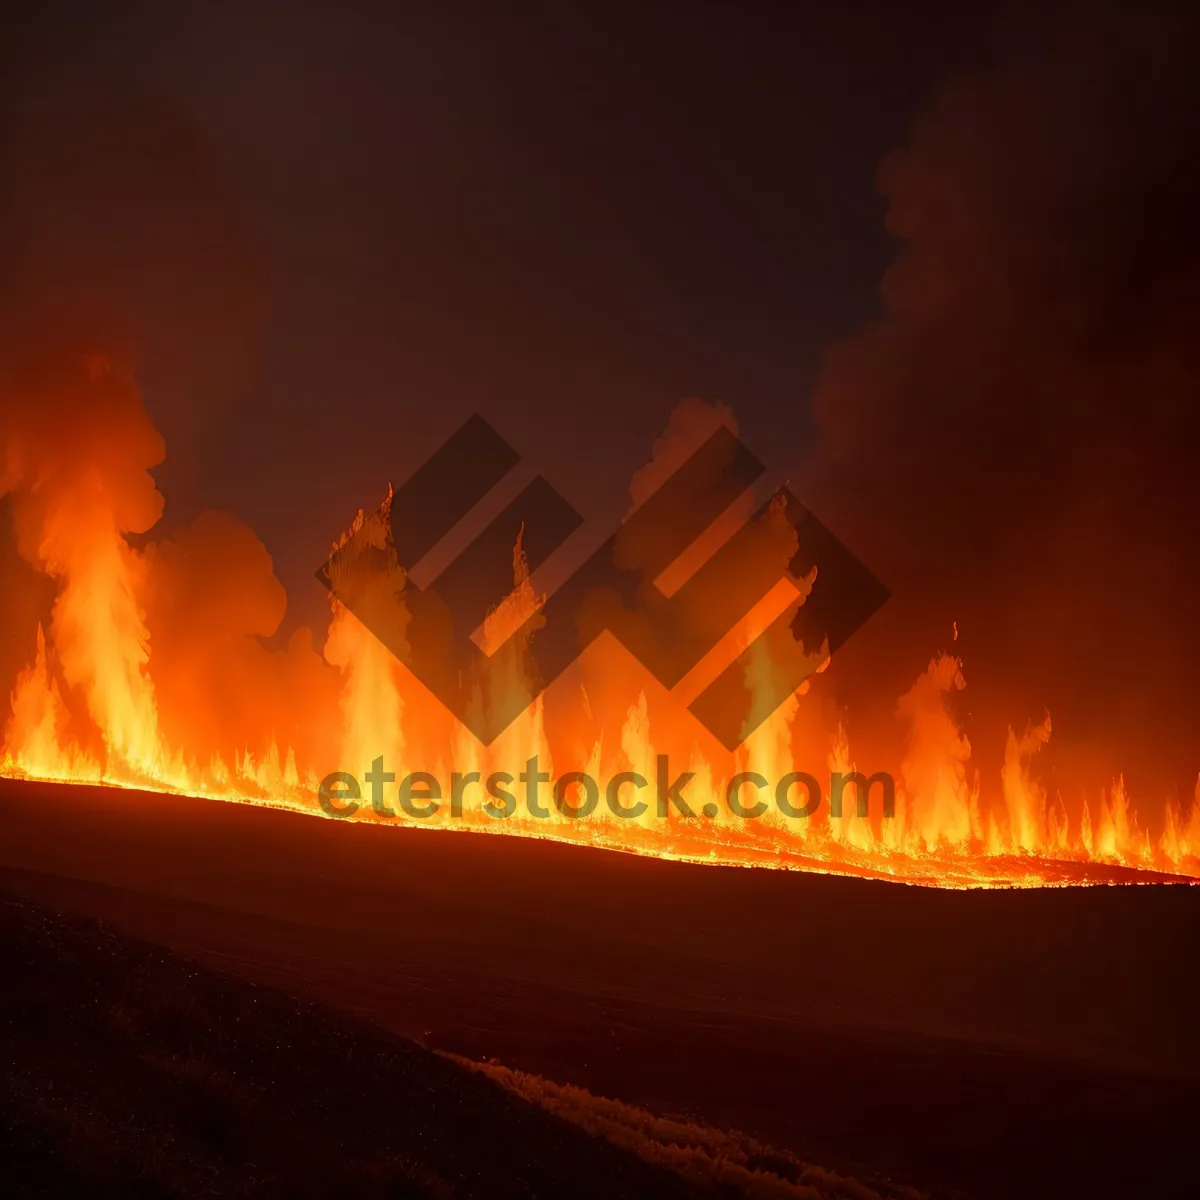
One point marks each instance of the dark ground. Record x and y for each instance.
(1039, 1043)
(129, 1071)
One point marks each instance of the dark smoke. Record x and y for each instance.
(116, 222)
(1012, 444)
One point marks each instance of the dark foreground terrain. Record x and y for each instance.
(129, 1071)
(1038, 1043)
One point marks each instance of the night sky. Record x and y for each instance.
(339, 230)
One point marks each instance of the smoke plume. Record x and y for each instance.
(1011, 444)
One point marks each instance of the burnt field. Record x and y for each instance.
(992, 1043)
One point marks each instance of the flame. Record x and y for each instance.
(370, 703)
(98, 625)
(86, 709)
(1024, 796)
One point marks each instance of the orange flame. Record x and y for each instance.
(86, 709)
